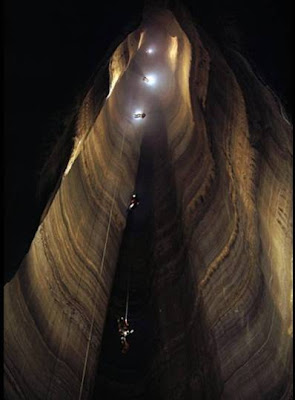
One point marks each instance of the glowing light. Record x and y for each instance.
(150, 79)
(138, 115)
(150, 50)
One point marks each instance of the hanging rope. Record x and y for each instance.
(70, 319)
(101, 269)
(75, 297)
(127, 294)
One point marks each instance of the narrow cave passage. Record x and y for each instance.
(133, 262)
(154, 224)
(153, 251)
(208, 248)
(116, 371)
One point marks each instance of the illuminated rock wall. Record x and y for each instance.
(55, 305)
(221, 292)
(231, 166)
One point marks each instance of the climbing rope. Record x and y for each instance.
(127, 294)
(101, 269)
(70, 318)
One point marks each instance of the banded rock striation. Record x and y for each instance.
(220, 266)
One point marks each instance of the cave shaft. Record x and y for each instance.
(216, 212)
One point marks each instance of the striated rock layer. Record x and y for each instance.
(220, 272)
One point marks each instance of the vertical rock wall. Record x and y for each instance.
(232, 165)
(55, 306)
(221, 292)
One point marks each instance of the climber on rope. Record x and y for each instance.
(124, 331)
(133, 202)
(139, 115)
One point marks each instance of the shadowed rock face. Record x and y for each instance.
(212, 162)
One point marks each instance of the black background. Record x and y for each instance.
(52, 48)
